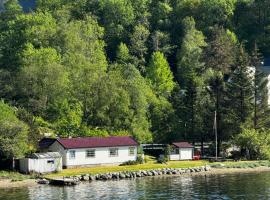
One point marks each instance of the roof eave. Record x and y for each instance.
(97, 146)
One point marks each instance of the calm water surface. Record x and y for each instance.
(231, 186)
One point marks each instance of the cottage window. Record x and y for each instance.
(50, 161)
(177, 150)
(90, 153)
(72, 154)
(131, 151)
(114, 152)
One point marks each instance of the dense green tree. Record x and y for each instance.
(117, 17)
(220, 60)
(69, 118)
(206, 13)
(260, 93)
(107, 67)
(255, 143)
(138, 46)
(42, 79)
(189, 70)
(38, 29)
(164, 121)
(190, 62)
(160, 74)
(161, 14)
(251, 21)
(13, 133)
(84, 57)
(141, 10)
(240, 92)
(122, 54)
(161, 42)
(140, 96)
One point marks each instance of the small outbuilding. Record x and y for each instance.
(181, 151)
(41, 163)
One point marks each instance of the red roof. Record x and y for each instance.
(183, 145)
(90, 142)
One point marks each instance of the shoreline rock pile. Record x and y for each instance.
(140, 173)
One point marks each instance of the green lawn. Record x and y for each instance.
(14, 176)
(242, 164)
(147, 166)
(151, 164)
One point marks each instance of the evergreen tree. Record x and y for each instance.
(189, 69)
(138, 46)
(161, 42)
(260, 92)
(240, 92)
(160, 74)
(122, 54)
(220, 60)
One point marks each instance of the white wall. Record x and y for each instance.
(101, 155)
(56, 147)
(184, 154)
(28, 165)
(174, 157)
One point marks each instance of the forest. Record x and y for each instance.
(158, 70)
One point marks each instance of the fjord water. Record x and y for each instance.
(230, 186)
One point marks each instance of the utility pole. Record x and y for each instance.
(215, 129)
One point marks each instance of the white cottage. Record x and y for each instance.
(181, 151)
(41, 163)
(91, 151)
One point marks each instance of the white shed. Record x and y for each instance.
(181, 151)
(41, 163)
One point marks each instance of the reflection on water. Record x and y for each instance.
(232, 186)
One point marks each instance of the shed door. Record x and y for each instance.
(186, 154)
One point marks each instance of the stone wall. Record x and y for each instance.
(138, 174)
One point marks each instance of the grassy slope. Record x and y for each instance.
(14, 176)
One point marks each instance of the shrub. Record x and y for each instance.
(133, 162)
(140, 159)
(257, 143)
(130, 162)
(236, 155)
(167, 152)
(162, 159)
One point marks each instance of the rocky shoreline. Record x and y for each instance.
(196, 171)
(132, 174)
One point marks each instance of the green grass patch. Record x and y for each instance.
(14, 176)
(146, 166)
(153, 165)
(242, 164)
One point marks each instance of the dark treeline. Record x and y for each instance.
(155, 69)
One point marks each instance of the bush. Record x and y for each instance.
(130, 162)
(133, 162)
(140, 159)
(257, 143)
(236, 155)
(167, 152)
(162, 159)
